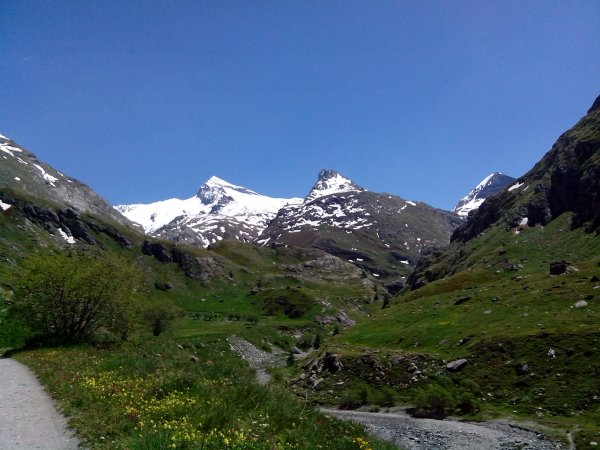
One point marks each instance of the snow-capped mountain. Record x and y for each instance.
(219, 210)
(331, 182)
(490, 185)
(22, 171)
(381, 233)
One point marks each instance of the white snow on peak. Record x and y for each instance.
(487, 179)
(331, 182)
(216, 198)
(3, 137)
(49, 178)
(490, 185)
(216, 181)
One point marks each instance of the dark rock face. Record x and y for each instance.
(195, 267)
(51, 221)
(159, 251)
(395, 287)
(71, 223)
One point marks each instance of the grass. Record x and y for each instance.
(149, 394)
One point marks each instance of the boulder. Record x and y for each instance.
(455, 366)
(558, 267)
(461, 300)
(522, 369)
(332, 362)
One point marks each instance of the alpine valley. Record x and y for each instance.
(344, 298)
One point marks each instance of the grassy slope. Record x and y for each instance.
(149, 394)
(511, 317)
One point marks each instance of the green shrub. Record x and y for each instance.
(67, 297)
(433, 401)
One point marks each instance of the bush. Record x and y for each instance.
(67, 297)
(436, 402)
(433, 402)
(158, 318)
(306, 341)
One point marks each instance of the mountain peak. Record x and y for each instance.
(217, 190)
(216, 181)
(331, 182)
(595, 105)
(490, 185)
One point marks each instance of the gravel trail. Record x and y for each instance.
(257, 359)
(28, 416)
(428, 434)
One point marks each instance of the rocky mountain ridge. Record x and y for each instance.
(381, 233)
(22, 171)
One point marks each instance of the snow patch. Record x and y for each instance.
(66, 237)
(4, 206)
(9, 149)
(411, 203)
(515, 186)
(17, 179)
(49, 178)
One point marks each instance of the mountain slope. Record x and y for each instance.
(219, 210)
(381, 233)
(565, 180)
(513, 298)
(21, 170)
(490, 185)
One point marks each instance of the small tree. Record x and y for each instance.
(67, 297)
(158, 319)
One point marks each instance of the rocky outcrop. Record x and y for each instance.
(159, 251)
(70, 224)
(199, 268)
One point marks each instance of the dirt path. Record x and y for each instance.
(258, 359)
(428, 434)
(28, 416)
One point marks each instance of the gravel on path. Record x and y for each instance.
(28, 416)
(428, 434)
(257, 359)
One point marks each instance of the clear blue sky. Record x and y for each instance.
(145, 99)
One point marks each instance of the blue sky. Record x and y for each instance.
(145, 99)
